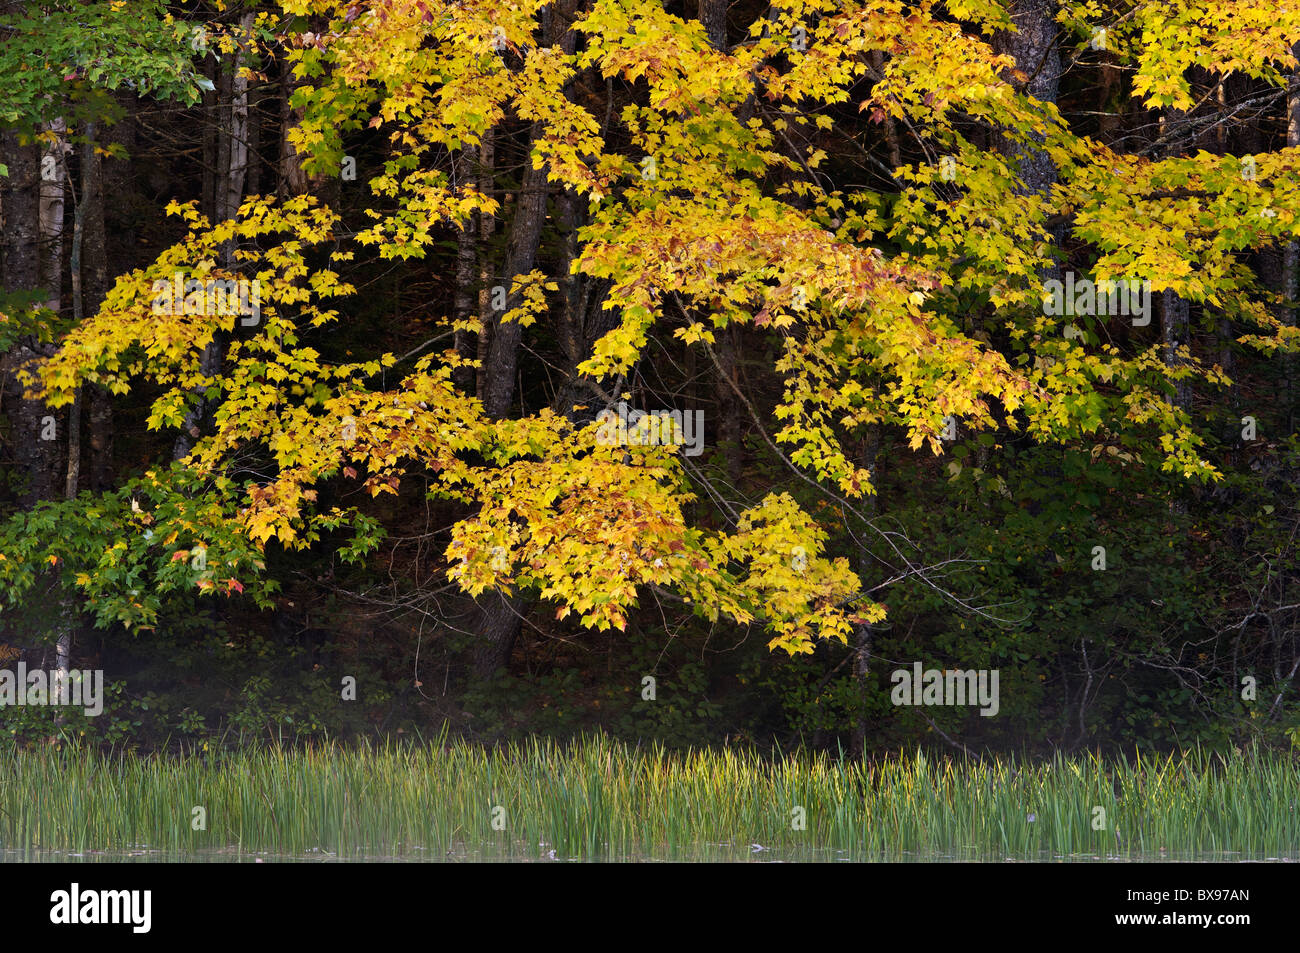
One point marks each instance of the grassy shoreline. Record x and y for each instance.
(598, 799)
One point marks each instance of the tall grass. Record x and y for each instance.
(598, 799)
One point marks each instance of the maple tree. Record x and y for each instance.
(706, 198)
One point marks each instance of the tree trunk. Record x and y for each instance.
(292, 180)
(501, 614)
(1038, 56)
(521, 253)
(231, 147)
(864, 633)
(487, 226)
(54, 170)
(20, 194)
(33, 445)
(500, 619)
(1291, 254)
(729, 429)
(1175, 323)
(86, 201)
(94, 281)
(713, 17)
(463, 303)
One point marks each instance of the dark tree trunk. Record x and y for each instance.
(35, 450)
(229, 143)
(499, 622)
(582, 319)
(1291, 253)
(1038, 56)
(463, 304)
(521, 253)
(1175, 328)
(864, 633)
(20, 192)
(292, 180)
(713, 17)
(730, 425)
(1175, 311)
(94, 278)
(501, 615)
(88, 203)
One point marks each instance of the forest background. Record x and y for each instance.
(314, 316)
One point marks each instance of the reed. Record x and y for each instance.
(602, 800)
